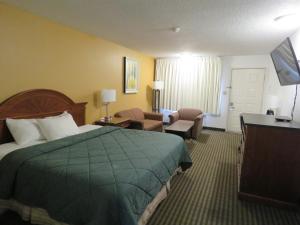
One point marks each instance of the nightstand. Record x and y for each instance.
(115, 121)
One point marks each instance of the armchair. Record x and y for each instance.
(194, 115)
(143, 120)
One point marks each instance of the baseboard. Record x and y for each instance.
(214, 128)
(204, 127)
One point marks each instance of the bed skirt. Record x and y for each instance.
(41, 217)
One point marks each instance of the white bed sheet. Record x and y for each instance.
(12, 146)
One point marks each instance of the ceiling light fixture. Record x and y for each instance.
(186, 55)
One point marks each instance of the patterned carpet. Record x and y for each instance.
(207, 193)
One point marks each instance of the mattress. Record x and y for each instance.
(105, 176)
(41, 217)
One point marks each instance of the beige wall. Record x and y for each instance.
(38, 53)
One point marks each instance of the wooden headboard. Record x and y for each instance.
(37, 103)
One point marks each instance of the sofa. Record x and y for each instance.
(143, 120)
(189, 114)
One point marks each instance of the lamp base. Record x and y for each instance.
(156, 101)
(283, 119)
(106, 119)
(270, 112)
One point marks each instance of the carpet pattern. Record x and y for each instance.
(207, 193)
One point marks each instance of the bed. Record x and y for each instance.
(105, 175)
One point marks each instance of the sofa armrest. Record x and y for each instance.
(136, 124)
(174, 117)
(153, 116)
(198, 125)
(199, 117)
(198, 121)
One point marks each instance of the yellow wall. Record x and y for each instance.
(38, 53)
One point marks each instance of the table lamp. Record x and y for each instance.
(108, 96)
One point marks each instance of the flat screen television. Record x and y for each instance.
(286, 63)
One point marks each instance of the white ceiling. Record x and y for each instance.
(218, 27)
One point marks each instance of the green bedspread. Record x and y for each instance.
(106, 176)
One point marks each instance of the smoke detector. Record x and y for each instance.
(176, 29)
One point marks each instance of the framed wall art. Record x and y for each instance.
(131, 75)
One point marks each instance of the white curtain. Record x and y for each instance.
(190, 82)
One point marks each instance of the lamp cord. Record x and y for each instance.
(294, 105)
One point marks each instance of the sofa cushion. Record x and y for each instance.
(152, 124)
(134, 114)
(188, 114)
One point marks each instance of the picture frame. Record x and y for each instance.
(131, 75)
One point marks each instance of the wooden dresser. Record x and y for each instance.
(269, 161)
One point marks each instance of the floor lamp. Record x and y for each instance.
(157, 87)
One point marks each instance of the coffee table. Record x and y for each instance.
(182, 128)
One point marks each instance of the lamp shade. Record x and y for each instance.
(273, 102)
(158, 85)
(108, 95)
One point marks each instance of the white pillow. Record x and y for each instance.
(59, 115)
(24, 131)
(58, 127)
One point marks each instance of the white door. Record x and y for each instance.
(245, 96)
